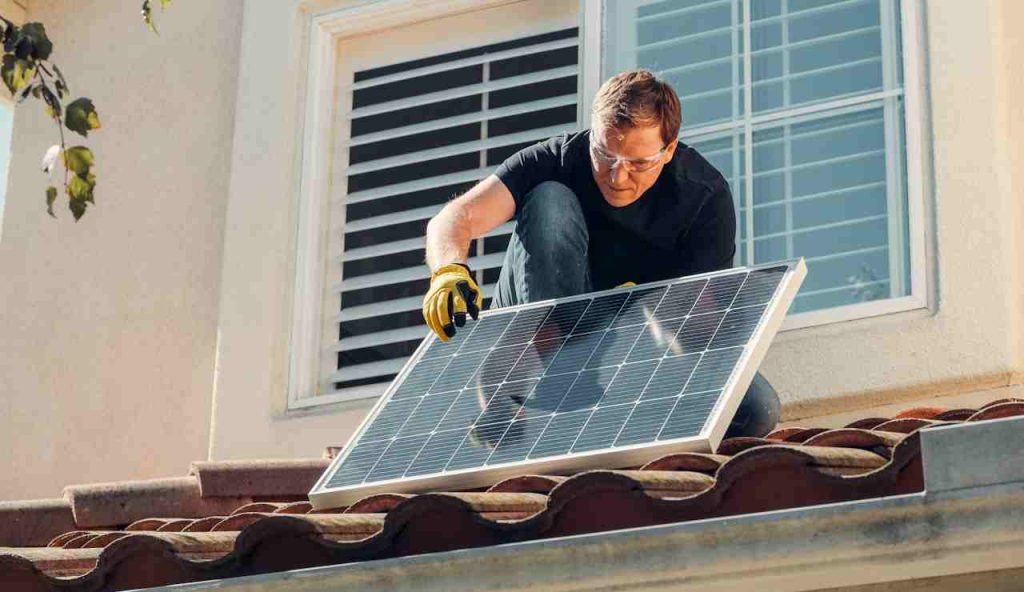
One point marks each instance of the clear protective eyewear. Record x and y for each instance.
(634, 165)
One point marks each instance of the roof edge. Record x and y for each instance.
(954, 527)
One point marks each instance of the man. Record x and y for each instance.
(621, 203)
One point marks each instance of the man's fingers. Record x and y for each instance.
(444, 317)
(470, 296)
(434, 320)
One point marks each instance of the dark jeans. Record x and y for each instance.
(547, 258)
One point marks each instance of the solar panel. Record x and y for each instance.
(608, 379)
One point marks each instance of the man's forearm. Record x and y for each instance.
(448, 238)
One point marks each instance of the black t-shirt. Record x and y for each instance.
(683, 224)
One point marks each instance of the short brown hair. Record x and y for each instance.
(637, 98)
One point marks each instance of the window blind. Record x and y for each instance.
(422, 132)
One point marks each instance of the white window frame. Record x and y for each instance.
(916, 142)
(325, 27)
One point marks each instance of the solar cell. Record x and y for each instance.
(557, 385)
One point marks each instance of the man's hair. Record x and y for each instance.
(637, 98)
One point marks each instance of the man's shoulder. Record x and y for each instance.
(693, 167)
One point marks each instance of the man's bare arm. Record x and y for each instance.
(483, 208)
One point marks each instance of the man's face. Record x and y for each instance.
(627, 162)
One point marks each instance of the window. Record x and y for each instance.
(801, 105)
(808, 107)
(421, 113)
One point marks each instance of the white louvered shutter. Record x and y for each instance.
(421, 132)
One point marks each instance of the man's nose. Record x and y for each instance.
(618, 174)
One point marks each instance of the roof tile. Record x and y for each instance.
(258, 478)
(106, 504)
(34, 523)
(790, 468)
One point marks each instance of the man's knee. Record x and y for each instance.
(552, 214)
(552, 203)
(758, 412)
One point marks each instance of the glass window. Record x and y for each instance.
(799, 103)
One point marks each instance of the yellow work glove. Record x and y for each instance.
(626, 285)
(452, 294)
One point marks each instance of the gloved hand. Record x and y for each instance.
(452, 294)
(626, 285)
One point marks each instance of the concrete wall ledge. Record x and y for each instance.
(955, 527)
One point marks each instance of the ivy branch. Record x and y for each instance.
(27, 71)
(147, 13)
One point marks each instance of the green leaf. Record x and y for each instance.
(11, 36)
(80, 116)
(41, 46)
(80, 188)
(79, 160)
(16, 72)
(77, 207)
(51, 197)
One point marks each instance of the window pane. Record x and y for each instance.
(829, 188)
(802, 52)
(826, 183)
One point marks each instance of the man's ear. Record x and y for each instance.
(670, 150)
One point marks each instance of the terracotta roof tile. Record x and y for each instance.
(228, 534)
(33, 523)
(258, 478)
(107, 504)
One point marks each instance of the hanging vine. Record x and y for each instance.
(28, 72)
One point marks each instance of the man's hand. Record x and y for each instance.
(452, 294)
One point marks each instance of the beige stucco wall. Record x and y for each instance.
(970, 339)
(973, 337)
(108, 326)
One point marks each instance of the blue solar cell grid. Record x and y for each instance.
(621, 368)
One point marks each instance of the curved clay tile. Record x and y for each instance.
(176, 525)
(783, 433)
(906, 425)
(295, 508)
(371, 504)
(687, 461)
(33, 523)
(102, 504)
(527, 484)
(920, 413)
(236, 522)
(79, 541)
(956, 414)
(867, 423)
(805, 434)
(203, 524)
(265, 507)
(147, 524)
(855, 438)
(669, 482)
(733, 446)
(61, 539)
(100, 541)
(1000, 402)
(1007, 409)
(258, 478)
(29, 569)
